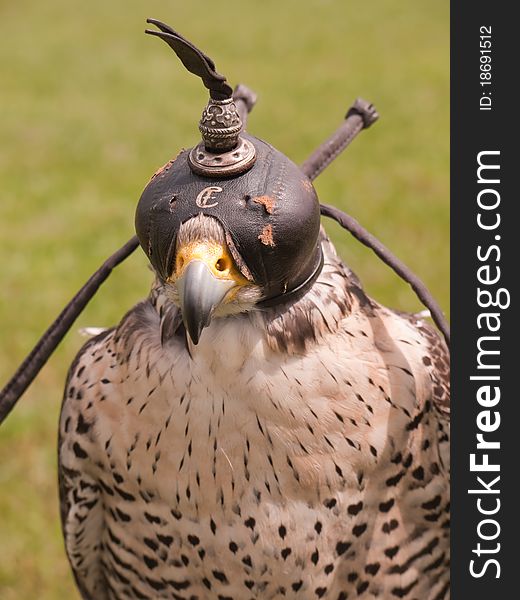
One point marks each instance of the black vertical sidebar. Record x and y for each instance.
(485, 318)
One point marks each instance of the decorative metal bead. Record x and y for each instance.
(220, 125)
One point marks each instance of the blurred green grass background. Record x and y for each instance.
(90, 107)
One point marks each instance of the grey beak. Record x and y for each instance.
(200, 292)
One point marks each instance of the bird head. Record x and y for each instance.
(229, 244)
(231, 224)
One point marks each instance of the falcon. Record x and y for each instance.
(258, 427)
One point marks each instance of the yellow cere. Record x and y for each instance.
(217, 258)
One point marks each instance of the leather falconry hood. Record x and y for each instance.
(267, 206)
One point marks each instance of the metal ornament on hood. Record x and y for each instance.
(267, 206)
(222, 151)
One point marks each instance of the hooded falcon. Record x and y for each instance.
(258, 427)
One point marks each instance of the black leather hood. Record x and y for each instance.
(271, 216)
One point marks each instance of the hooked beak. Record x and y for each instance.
(200, 292)
(206, 277)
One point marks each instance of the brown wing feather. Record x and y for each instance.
(80, 499)
(436, 361)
